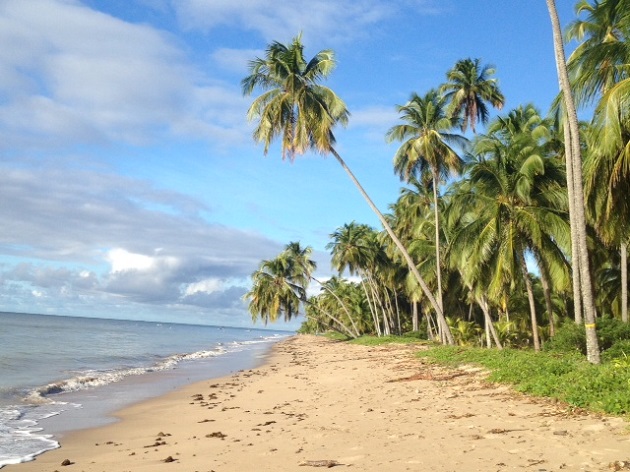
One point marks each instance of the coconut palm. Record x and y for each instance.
(427, 149)
(517, 206)
(296, 107)
(409, 214)
(303, 268)
(575, 189)
(608, 175)
(602, 58)
(355, 248)
(600, 68)
(274, 291)
(470, 86)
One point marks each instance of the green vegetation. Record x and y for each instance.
(497, 238)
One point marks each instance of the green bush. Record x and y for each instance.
(619, 350)
(569, 337)
(610, 331)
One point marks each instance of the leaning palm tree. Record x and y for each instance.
(470, 86)
(297, 108)
(576, 192)
(427, 150)
(304, 267)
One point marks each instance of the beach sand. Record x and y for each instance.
(318, 402)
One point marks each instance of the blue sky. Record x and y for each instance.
(130, 185)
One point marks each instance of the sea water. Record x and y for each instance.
(63, 373)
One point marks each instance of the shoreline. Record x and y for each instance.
(372, 408)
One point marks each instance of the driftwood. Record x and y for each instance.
(326, 463)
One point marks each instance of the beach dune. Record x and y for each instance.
(318, 404)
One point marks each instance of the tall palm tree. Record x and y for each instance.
(608, 175)
(516, 199)
(600, 68)
(575, 189)
(470, 86)
(303, 112)
(427, 149)
(602, 58)
(411, 211)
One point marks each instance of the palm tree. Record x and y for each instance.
(602, 59)
(608, 175)
(300, 110)
(516, 200)
(274, 291)
(600, 68)
(355, 248)
(470, 85)
(279, 287)
(575, 189)
(427, 149)
(304, 268)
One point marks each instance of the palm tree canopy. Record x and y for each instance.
(603, 56)
(293, 103)
(607, 167)
(428, 140)
(470, 85)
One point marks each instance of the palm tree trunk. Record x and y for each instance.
(377, 325)
(436, 215)
(574, 159)
(397, 312)
(487, 330)
(483, 303)
(414, 316)
(401, 247)
(438, 271)
(575, 259)
(544, 278)
(532, 306)
(624, 282)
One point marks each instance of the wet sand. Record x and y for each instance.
(319, 403)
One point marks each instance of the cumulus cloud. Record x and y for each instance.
(88, 77)
(87, 234)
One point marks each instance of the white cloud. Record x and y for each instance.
(122, 261)
(73, 74)
(318, 19)
(94, 236)
(204, 286)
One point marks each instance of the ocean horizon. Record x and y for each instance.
(64, 373)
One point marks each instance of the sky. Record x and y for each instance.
(130, 184)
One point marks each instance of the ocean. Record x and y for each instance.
(59, 374)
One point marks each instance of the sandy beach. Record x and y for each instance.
(319, 403)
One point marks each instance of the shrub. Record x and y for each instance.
(569, 337)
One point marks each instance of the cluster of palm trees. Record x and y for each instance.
(506, 232)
